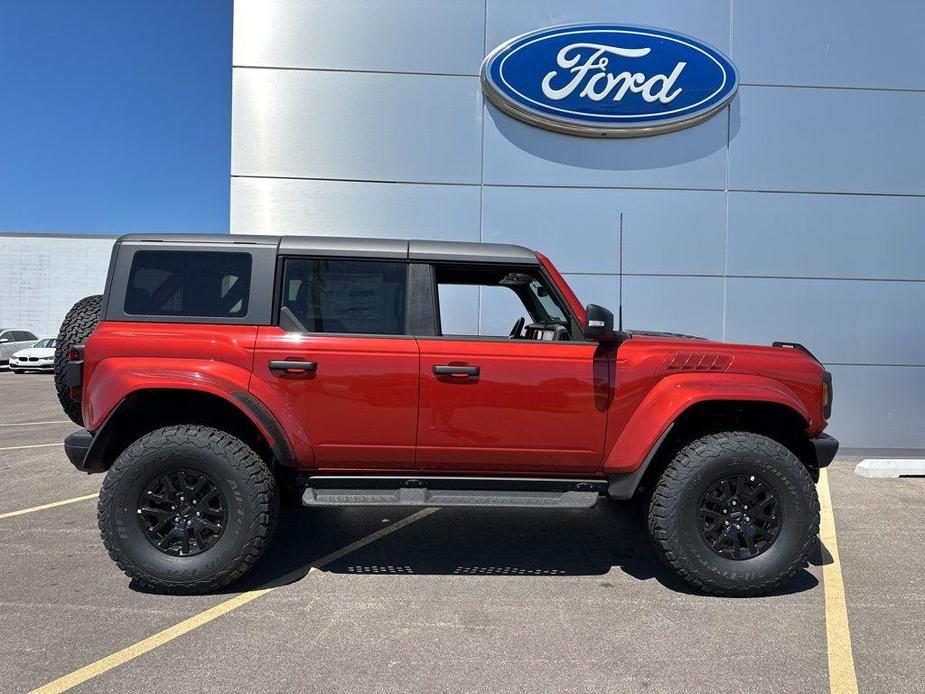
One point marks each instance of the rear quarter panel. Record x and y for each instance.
(122, 357)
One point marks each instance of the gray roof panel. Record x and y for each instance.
(344, 247)
(182, 239)
(350, 247)
(466, 252)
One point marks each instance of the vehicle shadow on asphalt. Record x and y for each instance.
(477, 542)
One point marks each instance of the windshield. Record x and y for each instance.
(553, 310)
(47, 342)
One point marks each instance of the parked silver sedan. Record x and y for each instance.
(14, 340)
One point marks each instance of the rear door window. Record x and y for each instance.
(207, 284)
(346, 296)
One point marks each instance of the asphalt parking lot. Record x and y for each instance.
(444, 600)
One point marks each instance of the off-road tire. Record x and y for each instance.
(79, 322)
(673, 513)
(241, 475)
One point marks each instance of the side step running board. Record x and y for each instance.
(458, 491)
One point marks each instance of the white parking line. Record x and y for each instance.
(33, 424)
(34, 445)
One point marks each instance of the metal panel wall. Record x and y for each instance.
(796, 213)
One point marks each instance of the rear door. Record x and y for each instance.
(532, 402)
(353, 384)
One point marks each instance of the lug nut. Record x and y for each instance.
(733, 502)
(198, 514)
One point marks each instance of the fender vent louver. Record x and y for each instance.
(698, 361)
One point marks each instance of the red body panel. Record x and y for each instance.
(121, 358)
(536, 407)
(656, 380)
(358, 410)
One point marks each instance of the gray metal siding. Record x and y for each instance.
(797, 213)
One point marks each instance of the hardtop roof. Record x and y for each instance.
(351, 247)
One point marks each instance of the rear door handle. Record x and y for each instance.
(292, 365)
(465, 371)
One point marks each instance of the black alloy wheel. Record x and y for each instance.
(182, 512)
(739, 517)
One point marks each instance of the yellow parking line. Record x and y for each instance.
(10, 514)
(118, 658)
(842, 676)
(33, 445)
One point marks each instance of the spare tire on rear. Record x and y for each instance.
(80, 321)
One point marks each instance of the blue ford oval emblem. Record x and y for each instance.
(608, 80)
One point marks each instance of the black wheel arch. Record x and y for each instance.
(776, 421)
(146, 410)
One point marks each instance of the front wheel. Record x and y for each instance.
(187, 509)
(735, 513)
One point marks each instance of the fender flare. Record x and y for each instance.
(118, 381)
(652, 421)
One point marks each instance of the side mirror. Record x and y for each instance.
(2, 340)
(599, 324)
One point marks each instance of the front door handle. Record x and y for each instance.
(464, 371)
(292, 365)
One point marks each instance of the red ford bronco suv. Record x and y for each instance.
(217, 372)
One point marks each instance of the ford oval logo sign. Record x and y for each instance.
(603, 80)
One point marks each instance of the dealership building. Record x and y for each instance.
(795, 211)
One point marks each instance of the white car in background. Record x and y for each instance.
(14, 340)
(39, 357)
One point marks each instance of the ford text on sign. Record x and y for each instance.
(607, 80)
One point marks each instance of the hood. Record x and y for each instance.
(657, 333)
(47, 352)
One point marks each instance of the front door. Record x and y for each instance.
(353, 385)
(531, 398)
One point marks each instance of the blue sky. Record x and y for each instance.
(115, 116)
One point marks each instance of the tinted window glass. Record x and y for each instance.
(211, 284)
(346, 296)
(29, 336)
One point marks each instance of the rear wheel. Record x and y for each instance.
(735, 513)
(78, 324)
(187, 509)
